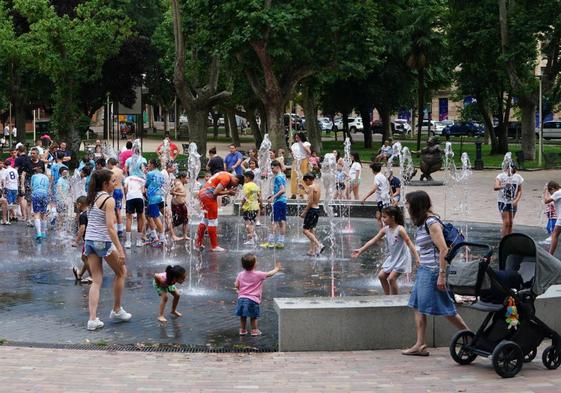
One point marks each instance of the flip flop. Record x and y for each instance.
(415, 353)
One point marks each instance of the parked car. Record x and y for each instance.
(552, 129)
(325, 124)
(513, 130)
(464, 128)
(401, 126)
(183, 119)
(436, 127)
(355, 124)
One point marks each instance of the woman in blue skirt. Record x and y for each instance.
(430, 294)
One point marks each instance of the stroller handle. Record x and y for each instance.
(454, 250)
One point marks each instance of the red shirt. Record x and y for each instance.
(124, 156)
(172, 150)
(12, 161)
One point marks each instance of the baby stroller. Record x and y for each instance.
(525, 271)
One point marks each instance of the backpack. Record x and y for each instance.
(452, 236)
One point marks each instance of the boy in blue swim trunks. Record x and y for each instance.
(279, 207)
(40, 201)
(154, 193)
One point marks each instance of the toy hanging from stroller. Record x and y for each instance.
(511, 332)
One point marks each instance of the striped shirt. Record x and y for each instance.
(428, 252)
(97, 227)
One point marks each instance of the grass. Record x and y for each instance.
(489, 161)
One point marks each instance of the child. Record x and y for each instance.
(397, 241)
(279, 208)
(314, 162)
(250, 205)
(164, 283)
(40, 200)
(11, 184)
(310, 214)
(154, 194)
(340, 178)
(551, 215)
(249, 284)
(82, 207)
(354, 176)
(552, 193)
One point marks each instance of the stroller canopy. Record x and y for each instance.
(546, 267)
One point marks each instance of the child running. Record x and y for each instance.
(164, 283)
(279, 208)
(250, 205)
(310, 214)
(397, 241)
(249, 284)
(154, 194)
(82, 207)
(40, 201)
(11, 184)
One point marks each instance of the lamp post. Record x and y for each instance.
(540, 110)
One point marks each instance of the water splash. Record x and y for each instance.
(193, 170)
(449, 164)
(165, 153)
(264, 162)
(328, 178)
(137, 166)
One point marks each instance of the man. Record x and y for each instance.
(223, 183)
(25, 170)
(117, 193)
(310, 214)
(179, 204)
(279, 207)
(233, 161)
(7, 131)
(67, 153)
(173, 150)
(381, 190)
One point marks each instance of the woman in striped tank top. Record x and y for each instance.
(101, 241)
(430, 294)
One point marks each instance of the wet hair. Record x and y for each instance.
(7, 163)
(39, 169)
(302, 136)
(212, 150)
(240, 179)
(376, 167)
(255, 161)
(248, 261)
(419, 205)
(181, 175)
(62, 169)
(154, 162)
(309, 176)
(356, 157)
(86, 170)
(82, 200)
(60, 155)
(395, 213)
(112, 161)
(173, 273)
(551, 185)
(100, 162)
(129, 145)
(98, 179)
(275, 163)
(249, 175)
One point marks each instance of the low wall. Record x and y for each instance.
(376, 322)
(342, 208)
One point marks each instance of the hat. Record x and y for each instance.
(46, 136)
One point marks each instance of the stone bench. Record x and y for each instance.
(376, 322)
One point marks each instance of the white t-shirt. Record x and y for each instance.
(556, 196)
(134, 185)
(41, 150)
(382, 193)
(298, 152)
(6, 131)
(354, 171)
(10, 178)
(14, 132)
(510, 187)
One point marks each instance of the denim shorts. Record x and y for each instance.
(100, 248)
(247, 308)
(11, 196)
(426, 298)
(506, 207)
(279, 211)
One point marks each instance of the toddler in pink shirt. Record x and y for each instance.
(249, 284)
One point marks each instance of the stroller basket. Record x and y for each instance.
(466, 274)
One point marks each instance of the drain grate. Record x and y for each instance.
(178, 348)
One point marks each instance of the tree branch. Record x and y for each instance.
(217, 98)
(294, 78)
(252, 79)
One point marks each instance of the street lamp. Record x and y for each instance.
(540, 111)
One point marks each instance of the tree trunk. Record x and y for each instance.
(251, 117)
(366, 121)
(421, 90)
(226, 126)
(20, 121)
(106, 121)
(528, 133)
(233, 127)
(215, 117)
(275, 125)
(346, 132)
(385, 115)
(488, 121)
(413, 121)
(166, 117)
(198, 129)
(310, 110)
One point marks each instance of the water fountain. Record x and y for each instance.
(193, 170)
(266, 177)
(347, 161)
(328, 178)
(137, 163)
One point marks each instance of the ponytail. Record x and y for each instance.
(97, 181)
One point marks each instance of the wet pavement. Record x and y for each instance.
(40, 301)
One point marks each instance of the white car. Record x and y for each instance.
(436, 127)
(183, 119)
(552, 129)
(325, 124)
(355, 124)
(401, 126)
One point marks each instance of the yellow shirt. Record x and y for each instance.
(251, 193)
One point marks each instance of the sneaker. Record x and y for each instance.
(249, 243)
(38, 236)
(95, 324)
(243, 332)
(257, 223)
(265, 245)
(279, 246)
(7, 223)
(217, 249)
(128, 244)
(121, 315)
(139, 243)
(86, 280)
(256, 332)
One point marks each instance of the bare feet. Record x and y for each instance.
(176, 313)
(186, 237)
(161, 318)
(176, 238)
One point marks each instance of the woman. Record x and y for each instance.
(508, 183)
(101, 241)
(301, 151)
(430, 294)
(215, 163)
(251, 155)
(354, 176)
(98, 152)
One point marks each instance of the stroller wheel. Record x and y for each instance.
(530, 355)
(551, 357)
(507, 359)
(460, 347)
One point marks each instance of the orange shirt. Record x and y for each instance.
(219, 178)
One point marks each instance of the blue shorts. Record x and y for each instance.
(426, 298)
(118, 196)
(279, 211)
(550, 225)
(99, 248)
(11, 196)
(247, 308)
(153, 210)
(506, 207)
(40, 204)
